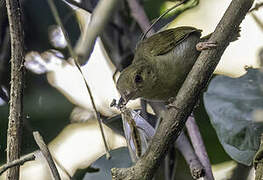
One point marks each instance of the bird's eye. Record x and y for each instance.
(138, 79)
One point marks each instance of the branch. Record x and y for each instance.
(199, 147)
(256, 7)
(100, 17)
(184, 146)
(174, 119)
(46, 153)
(17, 162)
(139, 15)
(16, 91)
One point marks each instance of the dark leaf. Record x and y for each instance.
(230, 104)
(80, 173)
(119, 158)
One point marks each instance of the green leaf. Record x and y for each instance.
(230, 104)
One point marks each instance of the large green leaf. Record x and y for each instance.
(230, 103)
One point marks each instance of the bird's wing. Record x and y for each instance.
(163, 42)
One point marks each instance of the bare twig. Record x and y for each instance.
(16, 92)
(160, 17)
(17, 162)
(46, 153)
(139, 15)
(99, 20)
(184, 146)
(174, 119)
(199, 147)
(256, 7)
(75, 57)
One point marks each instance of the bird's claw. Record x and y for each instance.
(205, 45)
(171, 105)
(113, 103)
(120, 105)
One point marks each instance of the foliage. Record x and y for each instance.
(230, 104)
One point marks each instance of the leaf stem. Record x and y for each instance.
(75, 57)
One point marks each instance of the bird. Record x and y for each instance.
(161, 64)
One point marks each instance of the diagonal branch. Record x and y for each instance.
(100, 17)
(198, 144)
(20, 162)
(139, 15)
(46, 153)
(174, 119)
(184, 146)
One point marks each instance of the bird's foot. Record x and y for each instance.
(206, 45)
(171, 100)
(171, 105)
(120, 105)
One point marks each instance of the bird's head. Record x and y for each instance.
(136, 81)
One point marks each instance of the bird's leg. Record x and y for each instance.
(206, 45)
(171, 105)
(170, 102)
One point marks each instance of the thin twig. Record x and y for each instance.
(100, 17)
(139, 15)
(17, 162)
(46, 153)
(75, 57)
(256, 7)
(175, 118)
(184, 146)
(16, 92)
(199, 147)
(160, 17)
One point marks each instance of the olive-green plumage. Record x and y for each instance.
(161, 64)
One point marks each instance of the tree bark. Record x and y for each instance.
(16, 91)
